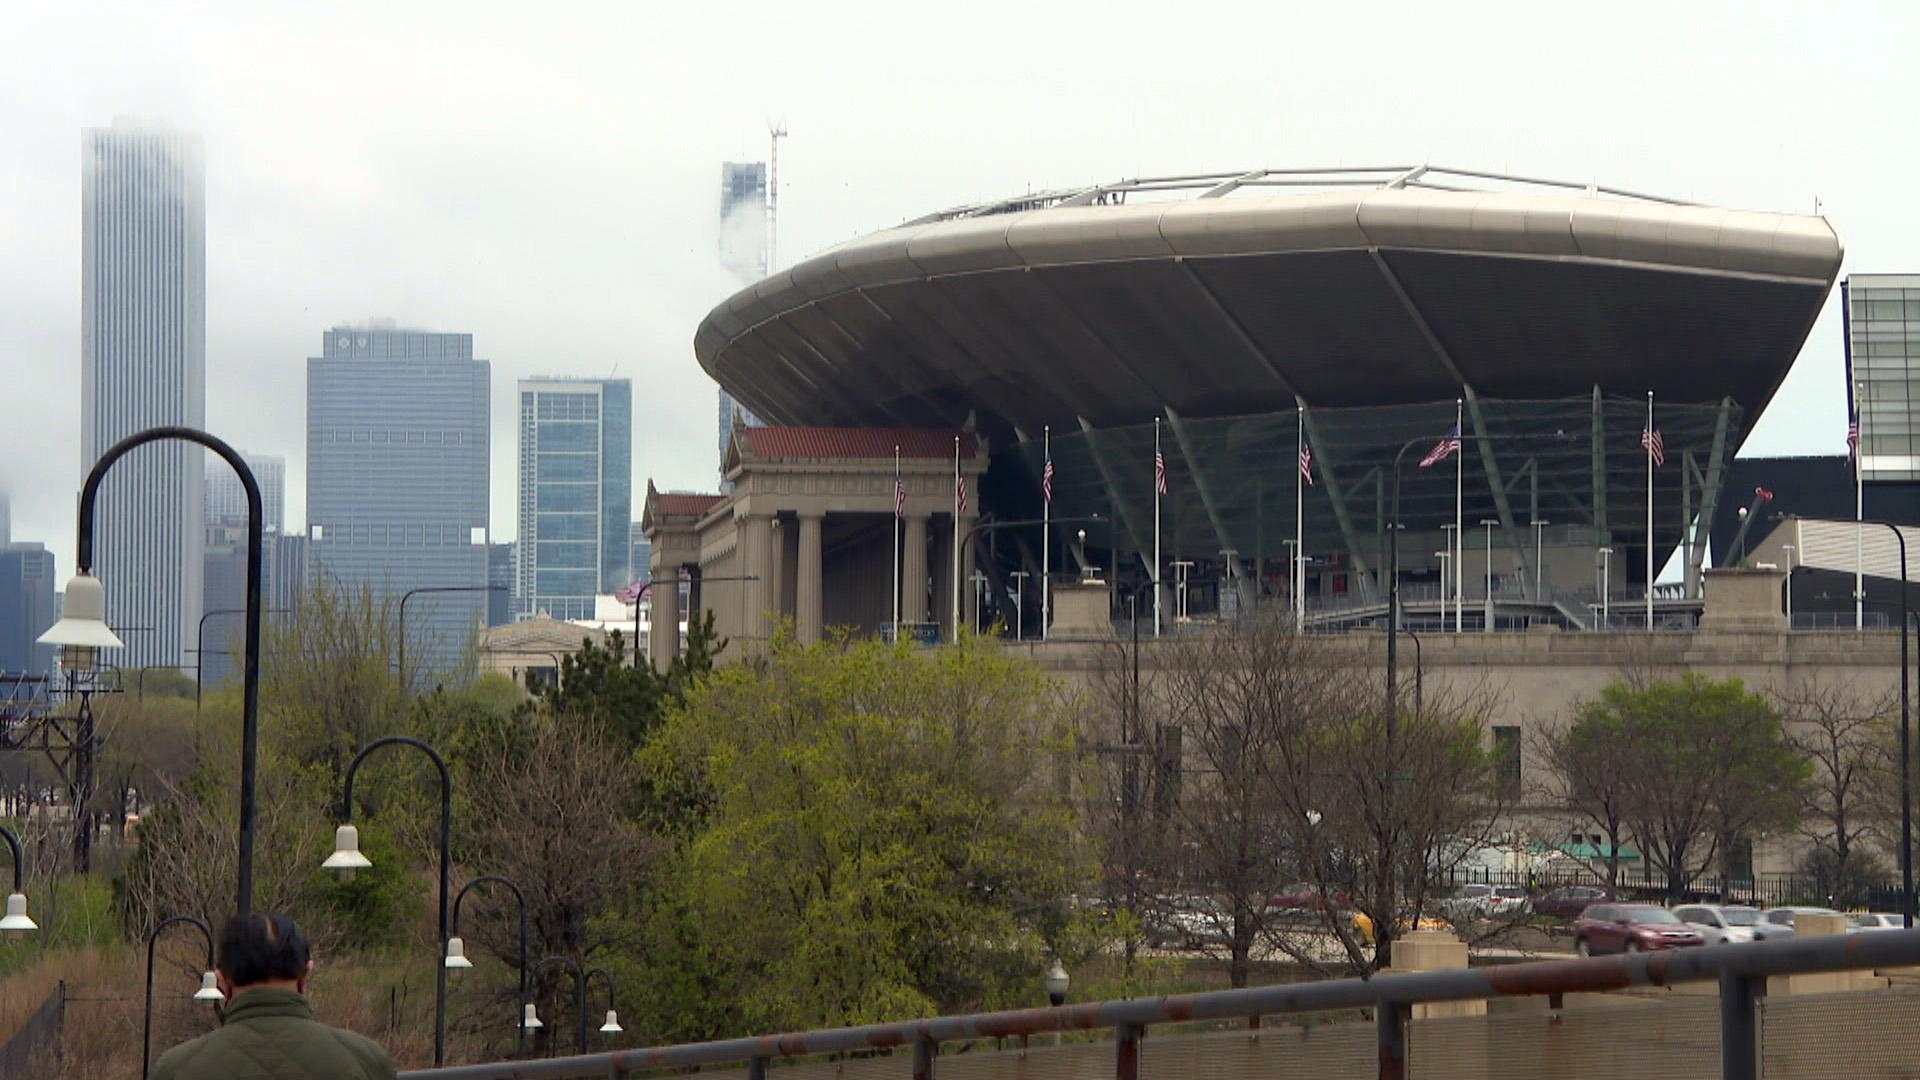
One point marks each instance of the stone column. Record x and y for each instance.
(913, 570)
(663, 634)
(756, 549)
(807, 603)
(776, 560)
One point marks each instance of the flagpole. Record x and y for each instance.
(1859, 515)
(1157, 464)
(1299, 568)
(1459, 527)
(1648, 439)
(1046, 529)
(896, 541)
(955, 624)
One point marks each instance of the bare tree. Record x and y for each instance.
(1588, 776)
(1843, 730)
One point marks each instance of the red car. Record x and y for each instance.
(1306, 896)
(1613, 928)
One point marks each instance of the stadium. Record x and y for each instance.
(1233, 316)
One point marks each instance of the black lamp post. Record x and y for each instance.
(200, 644)
(209, 991)
(612, 1024)
(579, 994)
(16, 917)
(82, 630)
(1906, 771)
(456, 949)
(346, 858)
(410, 594)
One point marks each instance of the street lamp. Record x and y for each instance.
(457, 949)
(82, 630)
(410, 594)
(1539, 549)
(1057, 984)
(16, 918)
(209, 991)
(1488, 607)
(347, 858)
(612, 1025)
(1606, 586)
(200, 644)
(579, 995)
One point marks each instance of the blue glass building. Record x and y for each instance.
(576, 494)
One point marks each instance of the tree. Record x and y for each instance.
(1589, 775)
(885, 838)
(1843, 731)
(1703, 764)
(1285, 774)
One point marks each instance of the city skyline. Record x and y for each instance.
(532, 210)
(143, 364)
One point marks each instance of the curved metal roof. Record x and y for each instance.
(1213, 295)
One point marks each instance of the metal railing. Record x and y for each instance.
(1740, 970)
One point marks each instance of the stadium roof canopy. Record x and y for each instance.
(1238, 293)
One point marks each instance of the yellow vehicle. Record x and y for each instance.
(1363, 925)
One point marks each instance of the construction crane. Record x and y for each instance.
(776, 130)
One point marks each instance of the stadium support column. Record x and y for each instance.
(663, 633)
(913, 570)
(756, 547)
(807, 597)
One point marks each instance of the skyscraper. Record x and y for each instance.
(143, 316)
(1883, 365)
(397, 479)
(743, 252)
(640, 562)
(576, 482)
(27, 607)
(227, 497)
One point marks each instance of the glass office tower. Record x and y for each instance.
(576, 494)
(1883, 369)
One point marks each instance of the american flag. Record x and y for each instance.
(1046, 482)
(960, 492)
(1448, 446)
(1159, 471)
(1853, 437)
(1655, 446)
(1306, 463)
(899, 496)
(629, 594)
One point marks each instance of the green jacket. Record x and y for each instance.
(272, 1035)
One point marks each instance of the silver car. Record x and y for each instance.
(1777, 923)
(1720, 925)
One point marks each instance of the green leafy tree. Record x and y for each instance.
(1705, 763)
(885, 838)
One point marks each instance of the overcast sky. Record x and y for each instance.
(545, 176)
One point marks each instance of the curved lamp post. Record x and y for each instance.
(457, 949)
(82, 630)
(346, 858)
(532, 1020)
(16, 919)
(612, 1025)
(209, 991)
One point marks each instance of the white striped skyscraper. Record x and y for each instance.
(143, 312)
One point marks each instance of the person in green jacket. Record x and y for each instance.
(268, 1031)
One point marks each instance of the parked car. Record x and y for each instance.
(1720, 924)
(1185, 922)
(1858, 921)
(1568, 901)
(1363, 925)
(1777, 923)
(1614, 928)
(1306, 896)
(1479, 901)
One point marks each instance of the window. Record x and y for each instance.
(1506, 760)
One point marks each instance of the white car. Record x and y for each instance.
(1858, 921)
(1720, 925)
(1478, 901)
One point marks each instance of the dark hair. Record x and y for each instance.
(260, 947)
